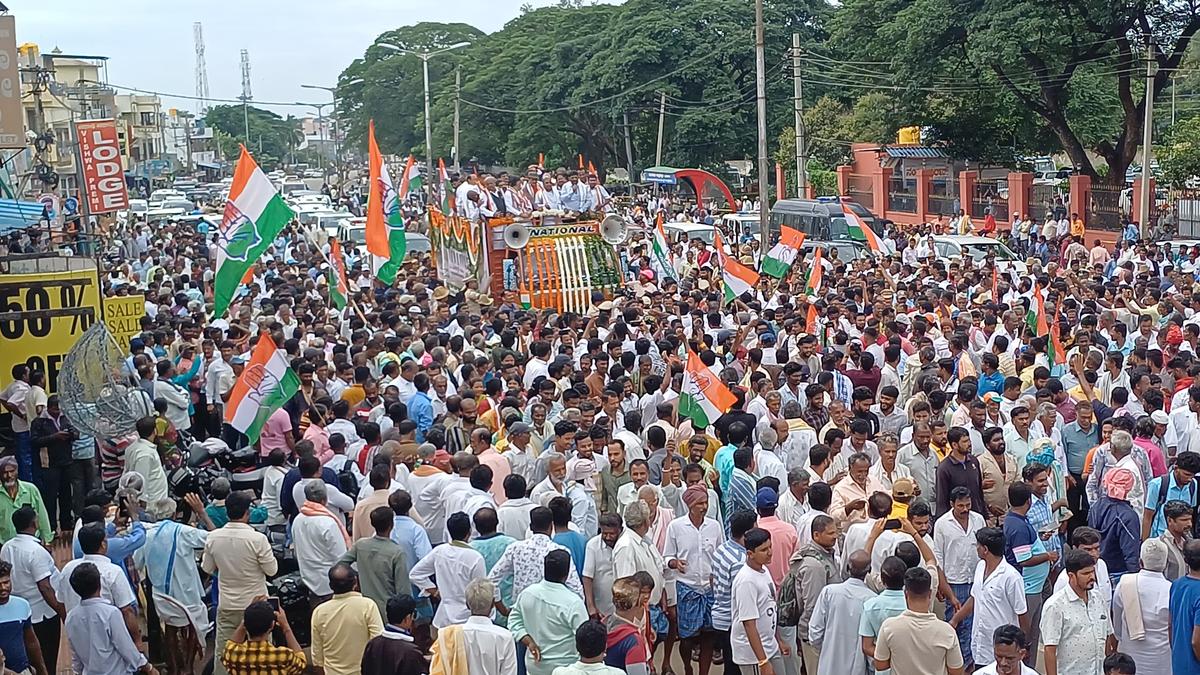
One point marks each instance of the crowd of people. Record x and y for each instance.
(912, 474)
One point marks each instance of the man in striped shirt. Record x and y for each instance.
(728, 560)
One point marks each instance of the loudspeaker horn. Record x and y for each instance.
(516, 235)
(613, 229)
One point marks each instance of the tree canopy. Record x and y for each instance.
(271, 137)
(989, 80)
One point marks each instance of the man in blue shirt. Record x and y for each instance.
(420, 406)
(1025, 550)
(1185, 614)
(17, 639)
(1180, 484)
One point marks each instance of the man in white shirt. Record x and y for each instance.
(955, 548)
(33, 577)
(320, 539)
(142, 457)
(218, 382)
(1010, 647)
(114, 586)
(455, 565)
(833, 627)
(598, 576)
(489, 648)
(997, 597)
(513, 514)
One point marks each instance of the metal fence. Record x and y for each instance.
(861, 191)
(1044, 199)
(902, 194)
(990, 196)
(1104, 208)
(943, 196)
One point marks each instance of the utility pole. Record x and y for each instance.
(1147, 137)
(801, 177)
(457, 96)
(187, 136)
(760, 80)
(428, 131)
(1173, 97)
(628, 152)
(662, 116)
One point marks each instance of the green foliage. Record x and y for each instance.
(1179, 154)
(572, 71)
(272, 138)
(992, 78)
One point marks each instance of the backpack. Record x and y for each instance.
(787, 605)
(347, 480)
(1193, 489)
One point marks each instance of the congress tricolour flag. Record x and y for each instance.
(339, 289)
(860, 230)
(385, 225)
(265, 385)
(781, 256)
(410, 180)
(816, 273)
(662, 252)
(448, 204)
(254, 215)
(738, 278)
(1038, 322)
(704, 397)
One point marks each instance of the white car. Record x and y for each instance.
(330, 222)
(352, 231)
(159, 196)
(960, 247)
(309, 200)
(137, 207)
(689, 231)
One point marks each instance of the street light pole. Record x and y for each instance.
(425, 56)
(337, 153)
(428, 130)
(760, 79)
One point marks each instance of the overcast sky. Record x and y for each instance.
(294, 42)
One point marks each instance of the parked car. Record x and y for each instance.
(690, 231)
(960, 247)
(847, 249)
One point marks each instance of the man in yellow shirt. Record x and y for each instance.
(343, 625)
(1077, 229)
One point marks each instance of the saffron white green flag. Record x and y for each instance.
(254, 215)
(781, 256)
(738, 278)
(704, 397)
(662, 251)
(267, 383)
(386, 240)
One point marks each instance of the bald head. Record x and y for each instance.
(859, 563)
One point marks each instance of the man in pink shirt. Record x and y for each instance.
(481, 445)
(277, 433)
(783, 534)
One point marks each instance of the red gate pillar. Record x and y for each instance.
(880, 180)
(1019, 187)
(924, 187)
(1135, 214)
(1081, 190)
(966, 189)
(843, 179)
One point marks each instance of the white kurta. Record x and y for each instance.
(1153, 652)
(834, 628)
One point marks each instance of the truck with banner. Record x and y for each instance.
(545, 261)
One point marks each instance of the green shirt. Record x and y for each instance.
(382, 570)
(876, 610)
(549, 613)
(27, 495)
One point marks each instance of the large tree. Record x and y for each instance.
(271, 137)
(560, 80)
(982, 72)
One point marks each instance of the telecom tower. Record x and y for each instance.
(201, 69)
(246, 95)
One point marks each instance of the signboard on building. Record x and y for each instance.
(659, 177)
(44, 314)
(12, 115)
(103, 173)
